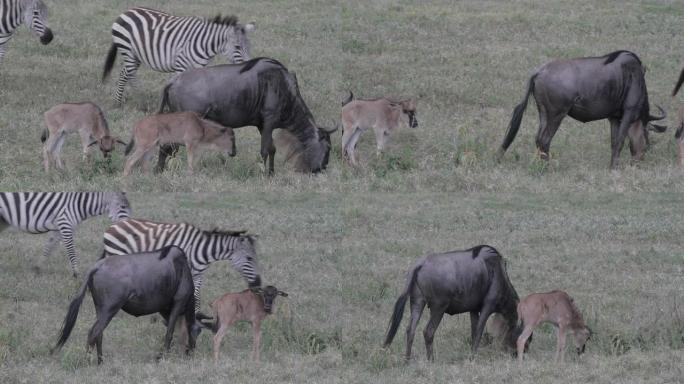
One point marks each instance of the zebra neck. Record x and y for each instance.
(219, 248)
(15, 10)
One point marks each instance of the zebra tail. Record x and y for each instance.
(398, 312)
(349, 99)
(109, 62)
(72, 313)
(44, 135)
(165, 98)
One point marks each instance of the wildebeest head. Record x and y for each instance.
(581, 337)
(106, 144)
(118, 206)
(268, 294)
(235, 45)
(35, 18)
(225, 142)
(408, 112)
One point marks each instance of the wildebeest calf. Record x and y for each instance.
(186, 128)
(383, 115)
(86, 118)
(249, 305)
(140, 284)
(557, 308)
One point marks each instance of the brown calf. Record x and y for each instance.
(383, 115)
(249, 305)
(86, 118)
(186, 128)
(557, 308)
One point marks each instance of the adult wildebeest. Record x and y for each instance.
(140, 284)
(474, 281)
(260, 92)
(591, 88)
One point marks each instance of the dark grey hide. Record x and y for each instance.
(260, 92)
(474, 281)
(140, 284)
(593, 88)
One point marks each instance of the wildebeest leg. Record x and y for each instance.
(417, 306)
(165, 151)
(474, 318)
(178, 308)
(256, 331)
(429, 332)
(637, 140)
(380, 140)
(85, 143)
(133, 159)
(218, 337)
(617, 137)
(522, 340)
(560, 348)
(350, 147)
(267, 147)
(57, 150)
(546, 132)
(191, 158)
(104, 316)
(481, 323)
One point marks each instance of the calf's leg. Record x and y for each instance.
(256, 330)
(522, 339)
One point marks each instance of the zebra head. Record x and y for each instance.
(235, 43)
(35, 17)
(241, 253)
(118, 206)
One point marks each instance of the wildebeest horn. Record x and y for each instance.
(664, 114)
(92, 143)
(657, 128)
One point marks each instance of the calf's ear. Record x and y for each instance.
(121, 141)
(283, 294)
(250, 27)
(92, 143)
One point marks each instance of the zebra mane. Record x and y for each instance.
(241, 233)
(230, 20)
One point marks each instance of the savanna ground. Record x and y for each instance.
(340, 242)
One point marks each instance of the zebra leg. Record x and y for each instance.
(66, 231)
(130, 66)
(197, 282)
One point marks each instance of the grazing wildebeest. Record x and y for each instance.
(249, 305)
(140, 284)
(383, 115)
(473, 280)
(86, 118)
(186, 128)
(591, 88)
(260, 92)
(555, 307)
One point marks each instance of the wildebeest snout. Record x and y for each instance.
(413, 120)
(46, 38)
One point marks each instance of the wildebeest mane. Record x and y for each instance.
(614, 55)
(230, 20)
(251, 63)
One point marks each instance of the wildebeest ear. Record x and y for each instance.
(257, 290)
(93, 143)
(249, 27)
(121, 141)
(283, 294)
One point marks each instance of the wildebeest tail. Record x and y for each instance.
(109, 62)
(72, 313)
(679, 83)
(348, 99)
(517, 116)
(129, 146)
(399, 305)
(44, 135)
(165, 98)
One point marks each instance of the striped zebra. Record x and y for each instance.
(201, 247)
(59, 212)
(170, 43)
(13, 13)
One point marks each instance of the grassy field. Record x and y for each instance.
(340, 242)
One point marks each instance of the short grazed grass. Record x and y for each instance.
(340, 242)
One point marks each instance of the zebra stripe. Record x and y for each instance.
(13, 13)
(201, 247)
(61, 212)
(168, 43)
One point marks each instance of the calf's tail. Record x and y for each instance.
(678, 134)
(349, 99)
(164, 98)
(399, 305)
(516, 119)
(679, 83)
(129, 146)
(44, 135)
(72, 313)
